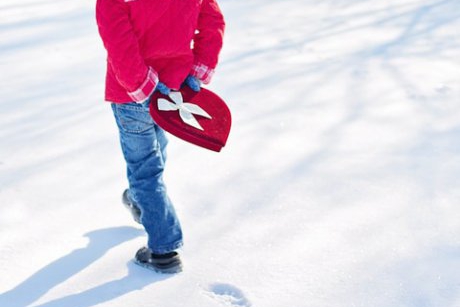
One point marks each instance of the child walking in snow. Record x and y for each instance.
(154, 45)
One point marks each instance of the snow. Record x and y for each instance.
(338, 185)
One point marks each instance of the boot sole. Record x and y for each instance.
(172, 270)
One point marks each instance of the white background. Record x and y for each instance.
(339, 185)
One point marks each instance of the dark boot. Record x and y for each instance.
(169, 263)
(131, 206)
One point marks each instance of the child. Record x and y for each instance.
(154, 45)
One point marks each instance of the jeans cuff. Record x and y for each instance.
(167, 248)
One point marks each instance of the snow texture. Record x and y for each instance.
(339, 185)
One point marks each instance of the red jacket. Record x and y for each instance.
(151, 40)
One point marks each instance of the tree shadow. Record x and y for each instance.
(420, 30)
(417, 22)
(427, 279)
(60, 270)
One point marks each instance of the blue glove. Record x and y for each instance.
(193, 83)
(163, 89)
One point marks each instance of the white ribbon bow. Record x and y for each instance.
(186, 109)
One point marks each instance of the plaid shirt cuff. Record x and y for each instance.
(202, 72)
(147, 87)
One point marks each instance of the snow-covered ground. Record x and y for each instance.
(339, 185)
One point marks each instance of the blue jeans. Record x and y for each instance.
(144, 147)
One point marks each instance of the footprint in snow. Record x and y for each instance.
(442, 89)
(227, 295)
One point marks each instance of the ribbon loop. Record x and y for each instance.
(186, 109)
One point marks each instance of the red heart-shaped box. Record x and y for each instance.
(215, 130)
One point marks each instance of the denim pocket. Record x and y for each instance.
(133, 117)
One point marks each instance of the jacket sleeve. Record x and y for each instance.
(123, 53)
(208, 40)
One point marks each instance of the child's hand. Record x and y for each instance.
(193, 83)
(163, 89)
